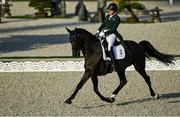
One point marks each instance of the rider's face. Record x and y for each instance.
(111, 12)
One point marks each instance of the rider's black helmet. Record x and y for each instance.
(112, 6)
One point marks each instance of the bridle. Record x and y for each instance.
(76, 37)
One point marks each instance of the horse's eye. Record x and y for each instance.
(71, 38)
(74, 38)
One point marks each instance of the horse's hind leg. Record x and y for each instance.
(123, 81)
(95, 87)
(142, 72)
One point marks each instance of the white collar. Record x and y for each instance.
(112, 15)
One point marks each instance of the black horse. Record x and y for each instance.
(95, 65)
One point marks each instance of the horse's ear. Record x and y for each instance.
(68, 30)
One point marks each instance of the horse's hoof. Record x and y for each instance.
(68, 101)
(156, 96)
(110, 100)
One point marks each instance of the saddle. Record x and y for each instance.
(117, 51)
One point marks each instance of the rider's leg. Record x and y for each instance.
(110, 39)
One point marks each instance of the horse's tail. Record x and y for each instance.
(150, 51)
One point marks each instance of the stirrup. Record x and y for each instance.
(108, 59)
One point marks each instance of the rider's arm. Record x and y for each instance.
(103, 24)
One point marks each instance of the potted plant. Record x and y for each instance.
(41, 6)
(129, 5)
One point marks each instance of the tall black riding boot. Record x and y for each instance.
(110, 61)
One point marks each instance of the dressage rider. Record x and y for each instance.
(108, 28)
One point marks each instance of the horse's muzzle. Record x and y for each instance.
(76, 53)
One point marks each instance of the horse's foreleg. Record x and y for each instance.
(79, 86)
(123, 81)
(95, 87)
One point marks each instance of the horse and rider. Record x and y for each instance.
(96, 64)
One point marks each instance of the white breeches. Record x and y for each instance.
(110, 39)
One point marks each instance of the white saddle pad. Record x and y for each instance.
(119, 52)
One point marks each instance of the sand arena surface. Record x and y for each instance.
(45, 93)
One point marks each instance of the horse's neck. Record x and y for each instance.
(91, 46)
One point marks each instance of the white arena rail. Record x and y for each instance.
(66, 66)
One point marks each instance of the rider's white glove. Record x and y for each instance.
(102, 34)
(97, 33)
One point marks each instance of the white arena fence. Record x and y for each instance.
(67, 66)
